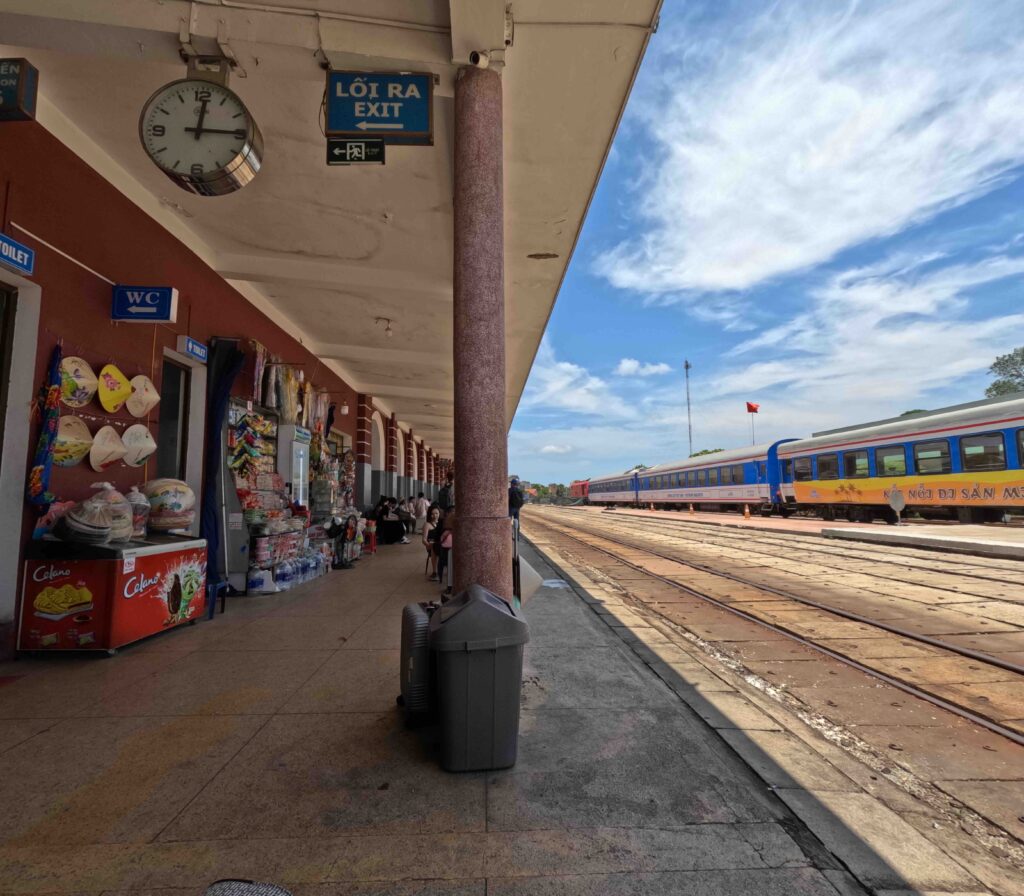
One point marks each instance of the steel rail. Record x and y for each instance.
(966, 652)
(764, 536)
(907, 688)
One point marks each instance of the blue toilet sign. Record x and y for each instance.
(145, 304)
(396, 107)
(16, 256)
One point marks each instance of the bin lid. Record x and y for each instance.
(477, 619)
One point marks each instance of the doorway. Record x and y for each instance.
(172, 437)
(6, 339)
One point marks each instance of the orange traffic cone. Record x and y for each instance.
(691, 509)
(746, 511)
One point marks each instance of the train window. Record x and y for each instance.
(737, 475)
(891, 461)
(713, 477)
(726, 475)
(762, 469)
(1020, 447)
(984, 452)
(691, 477)
(855, 464)
(787, 471)
(802, 469)
(932, 457)
(828, 466)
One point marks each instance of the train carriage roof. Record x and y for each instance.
(733, 455)
(993, 413)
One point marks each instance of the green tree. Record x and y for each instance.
(706, 451)
(915, 411)
(1009, 369)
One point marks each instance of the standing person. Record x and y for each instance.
(515, 498)
(420, 507)
(446, 496)
(445, 536)
(430, 542)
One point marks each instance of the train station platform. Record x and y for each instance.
(1002, 542)
(267, 744)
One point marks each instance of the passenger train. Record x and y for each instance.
(964, 462)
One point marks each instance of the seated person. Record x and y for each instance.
(390, 529)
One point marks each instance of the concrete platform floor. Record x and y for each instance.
(1005, 542)
(266, 744)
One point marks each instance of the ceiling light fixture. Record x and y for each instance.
(542, 256)
(386, 320)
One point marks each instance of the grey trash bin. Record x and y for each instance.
(477, 641)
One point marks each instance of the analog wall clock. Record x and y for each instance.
(201, 136)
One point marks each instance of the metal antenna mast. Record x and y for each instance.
(689, 420)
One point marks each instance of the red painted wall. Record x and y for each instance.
(48, 190)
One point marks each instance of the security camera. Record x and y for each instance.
(480, 58)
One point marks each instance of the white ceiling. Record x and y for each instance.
(326, 250)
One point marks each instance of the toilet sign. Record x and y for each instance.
(145, 304)
(396, 107)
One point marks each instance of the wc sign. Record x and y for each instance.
(145, 304)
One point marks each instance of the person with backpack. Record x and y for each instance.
(515, 499)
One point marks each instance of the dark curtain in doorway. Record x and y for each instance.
(223, 367)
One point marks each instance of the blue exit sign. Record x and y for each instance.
(19, 84)
(396, 107)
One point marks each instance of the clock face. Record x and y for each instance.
(201, 135)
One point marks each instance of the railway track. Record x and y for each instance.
(848, 555)
(798, 617)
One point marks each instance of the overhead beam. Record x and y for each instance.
(291, 271)
(388, 390)
(371, 353)
(477, 25)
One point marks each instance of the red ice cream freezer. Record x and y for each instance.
(88, 597)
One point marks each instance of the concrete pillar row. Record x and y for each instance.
(364, 462)
(483, 539)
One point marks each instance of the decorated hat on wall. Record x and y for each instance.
(72, 442)
(114, 388)
(144, 396)
(139, 445)
(77, 382)
(107, 449)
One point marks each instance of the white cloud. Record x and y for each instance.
(560, 386)
(811, 129)
(884, 333)
(632, 367)
(556, 449)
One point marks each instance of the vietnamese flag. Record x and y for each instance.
(752, 408)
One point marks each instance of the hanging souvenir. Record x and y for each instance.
(144, 396)
(260, 363)
(72, 443)
(77, 382)
(107, 449)
(49, 407)
(139, 445)
(114, 388)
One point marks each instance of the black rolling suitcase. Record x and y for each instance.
(415, 665)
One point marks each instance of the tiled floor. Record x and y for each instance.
(267, 744)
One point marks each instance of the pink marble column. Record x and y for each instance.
(483, 538)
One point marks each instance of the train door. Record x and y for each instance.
(780, 474)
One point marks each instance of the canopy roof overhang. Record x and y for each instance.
(325, 251)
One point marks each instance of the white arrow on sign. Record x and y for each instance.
(366, 125)
(136, 310)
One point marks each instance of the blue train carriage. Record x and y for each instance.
(962, 462)
(613, 489)
(725, 479)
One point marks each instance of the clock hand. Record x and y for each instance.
(198, 129)
(215, 131)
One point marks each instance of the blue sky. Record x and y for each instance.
(821, 206)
